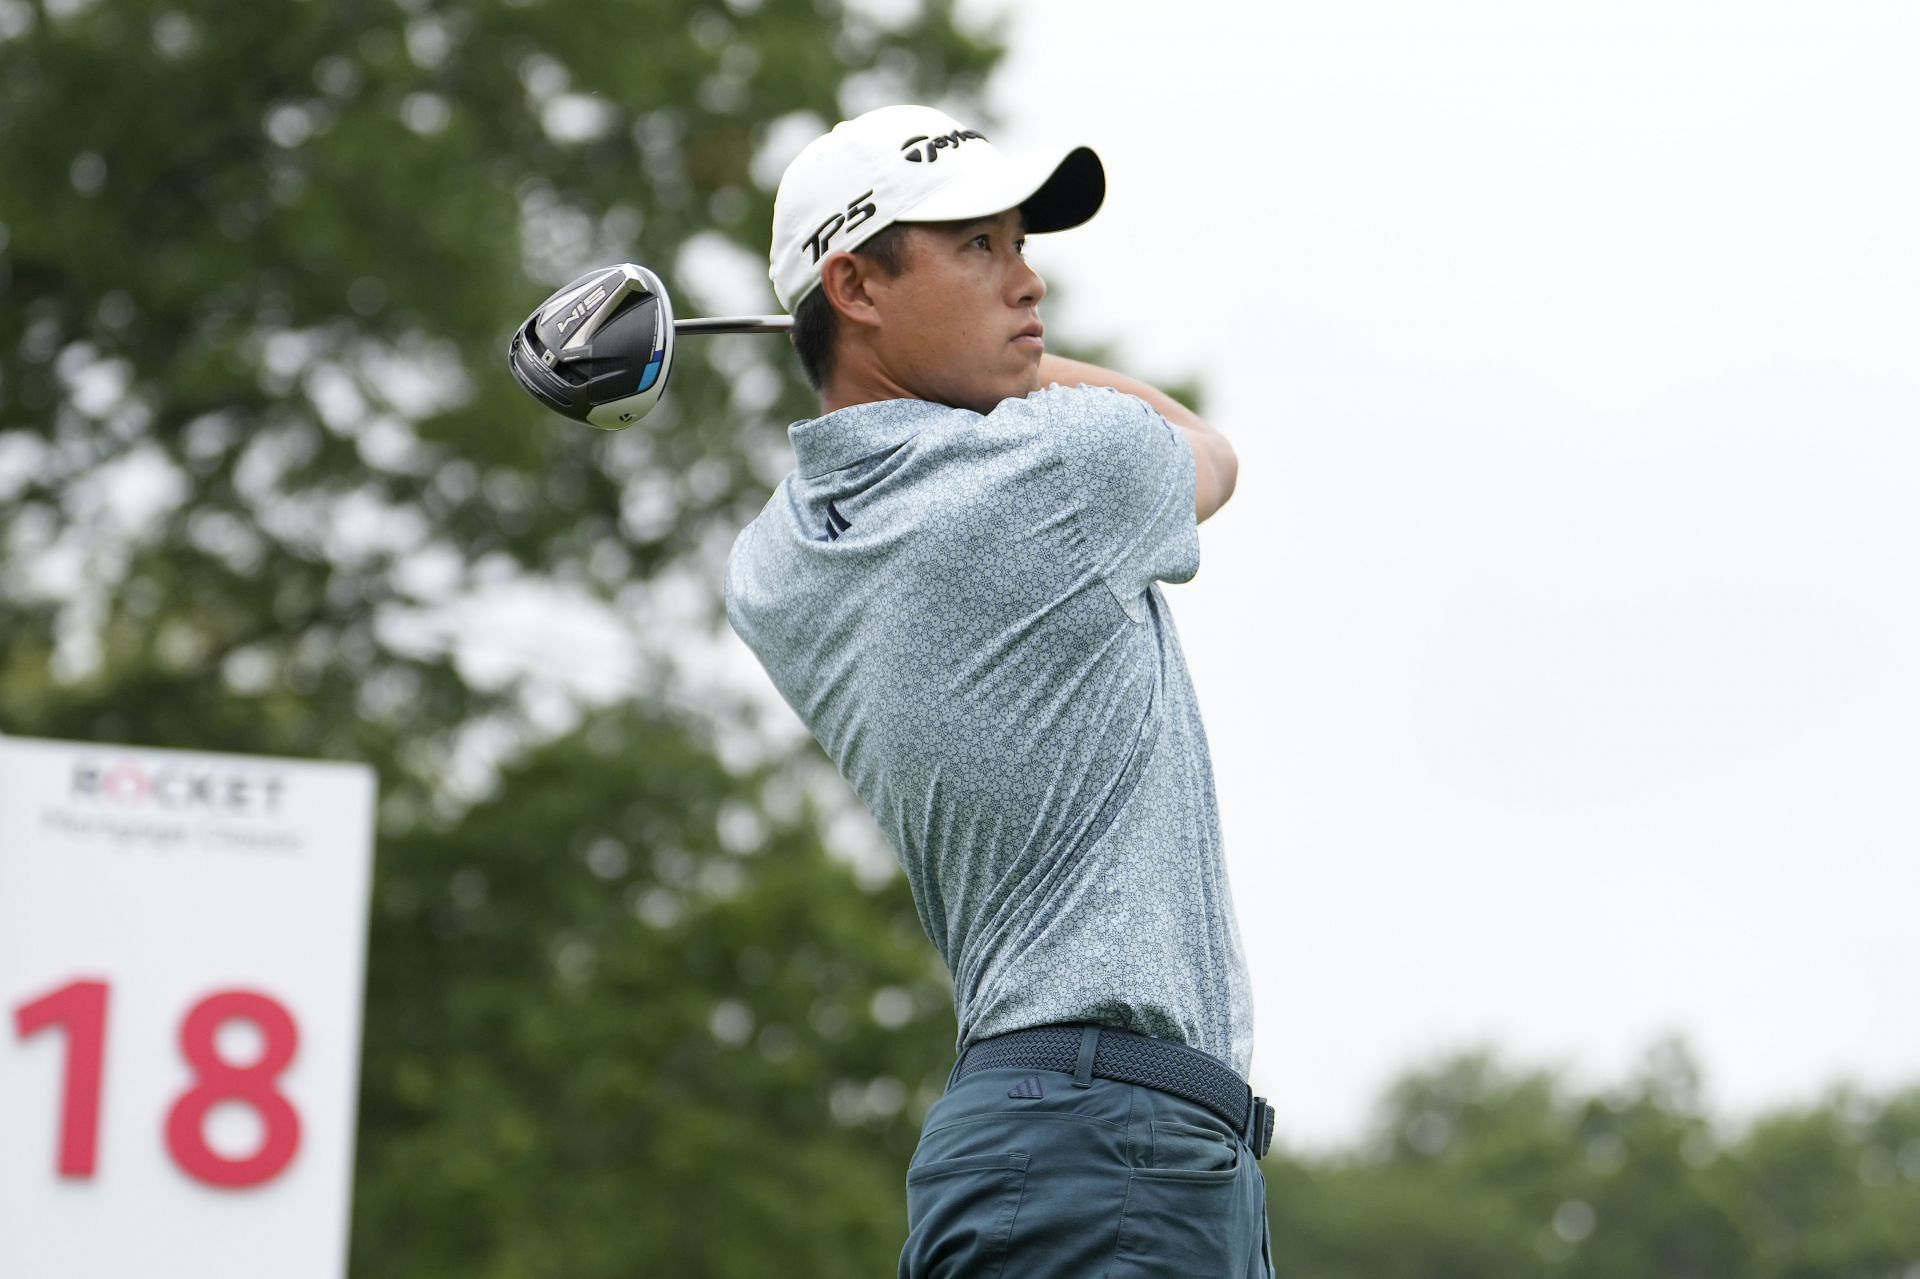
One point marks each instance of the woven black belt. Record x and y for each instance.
(1103, 1052)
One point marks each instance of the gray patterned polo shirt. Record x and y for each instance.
(964, 611)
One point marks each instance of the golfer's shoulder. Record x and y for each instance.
(1094, 407)
(1102, 435)
(1089, 421)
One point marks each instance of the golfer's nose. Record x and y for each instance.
(1030, 287)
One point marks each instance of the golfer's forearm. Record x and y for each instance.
(1216, 468)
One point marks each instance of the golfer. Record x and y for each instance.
(955, 588)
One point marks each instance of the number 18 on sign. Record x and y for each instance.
(182, 948)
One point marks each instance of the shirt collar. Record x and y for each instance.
(843, 437)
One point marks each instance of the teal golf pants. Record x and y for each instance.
(1102, 1181)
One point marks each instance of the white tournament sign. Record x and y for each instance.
(182, 952)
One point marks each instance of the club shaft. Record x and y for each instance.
(735, 324)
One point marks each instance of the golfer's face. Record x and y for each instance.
(963, 320)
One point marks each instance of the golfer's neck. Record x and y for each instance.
(861, 383)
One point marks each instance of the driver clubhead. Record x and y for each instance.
(600, 349)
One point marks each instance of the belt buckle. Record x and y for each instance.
(1259, 1133)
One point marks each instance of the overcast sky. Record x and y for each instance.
(1557, 648)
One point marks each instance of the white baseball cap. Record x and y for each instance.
(913, 164)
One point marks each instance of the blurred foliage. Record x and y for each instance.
(259, 265)
(1476, 1169)
(632, 1020)
(625, 1013)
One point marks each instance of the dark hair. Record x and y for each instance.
(815, 322)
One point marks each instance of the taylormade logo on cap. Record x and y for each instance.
(912, 149)
(912, 164)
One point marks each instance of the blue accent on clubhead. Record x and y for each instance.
(653, 372)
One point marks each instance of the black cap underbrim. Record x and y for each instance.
(1070, 196)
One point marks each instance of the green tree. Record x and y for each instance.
(1832, 1190)
(259, 264)
(636, 1021)
(1477, 1169)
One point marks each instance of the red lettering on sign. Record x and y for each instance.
(219, 1081)
(81, 1008)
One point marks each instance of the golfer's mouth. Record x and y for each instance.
(1034, 335)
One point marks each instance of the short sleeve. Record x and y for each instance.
(1137, 501)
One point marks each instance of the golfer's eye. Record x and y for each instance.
(983, 241)
(1020, 246)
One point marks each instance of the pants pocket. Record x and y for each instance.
(959, 1215)
(1181, 1222)
(1187, 1148)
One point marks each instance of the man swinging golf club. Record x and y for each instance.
(955, 588)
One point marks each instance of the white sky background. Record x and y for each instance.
(1557, 648)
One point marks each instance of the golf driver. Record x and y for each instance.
(600, 349)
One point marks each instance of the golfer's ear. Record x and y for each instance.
(843, 278)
